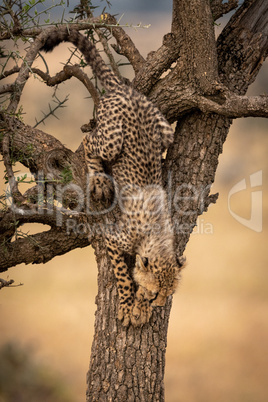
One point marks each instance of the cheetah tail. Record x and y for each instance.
(88, 49)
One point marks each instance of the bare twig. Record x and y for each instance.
(23, 77)
(127, 47)
(31, 54)
(52, 110)
(67, 73)
(106, 49)
(80, 25)
(107, 21)
(13, 70)
(4, 283)
(76, 71)
(8, 88)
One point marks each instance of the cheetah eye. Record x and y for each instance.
(145, 261)
(154, 297)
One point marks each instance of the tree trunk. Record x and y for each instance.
(127, 364)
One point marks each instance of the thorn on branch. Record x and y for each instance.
(66, 74)
(52, 110)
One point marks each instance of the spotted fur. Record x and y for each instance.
(130, 135)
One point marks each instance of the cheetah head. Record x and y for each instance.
(158, 276)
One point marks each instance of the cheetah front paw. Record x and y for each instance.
(141, 313)
(101, 188)
(124, 314)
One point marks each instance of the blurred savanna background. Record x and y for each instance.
(218, 334)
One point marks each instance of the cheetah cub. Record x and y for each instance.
(130, 135)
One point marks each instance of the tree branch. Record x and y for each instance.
(67, 73)
(242, 46)
(26, 67)
(42, 212)
(157, 63)
(236, 106)
(7, 73)
(106, 49)
(23, 76)
(78, 25)
(41, 152)
(245, 38)
(7, 88)
(218, 8)
(195, 165)
(46, 157)
(39, 248)
(194, 23)
(41, 35)
(106, 21)
(8, 130)
(127, 47)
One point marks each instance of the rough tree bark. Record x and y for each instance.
(203, 90)
(129, 364)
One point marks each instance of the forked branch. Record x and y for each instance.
(127, 47)
(67, 73)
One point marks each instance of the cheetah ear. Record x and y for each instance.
(142, 263)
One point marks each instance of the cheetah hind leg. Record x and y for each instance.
(142, 309)
(101, 188)
(101, 185)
